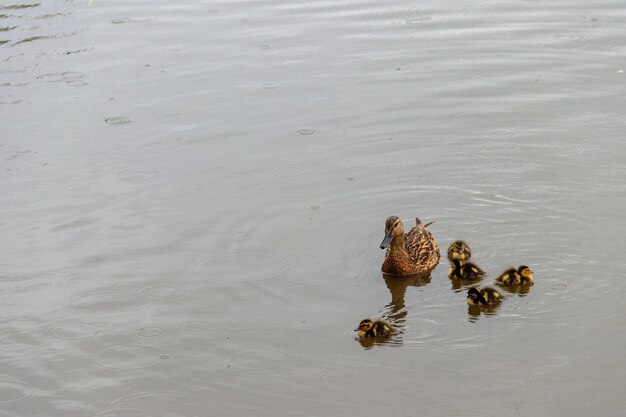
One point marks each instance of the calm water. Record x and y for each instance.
(193, 195)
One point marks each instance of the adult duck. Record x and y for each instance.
(411, 253)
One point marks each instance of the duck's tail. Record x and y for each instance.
(418, 222)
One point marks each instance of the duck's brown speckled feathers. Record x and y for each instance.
(419, 254)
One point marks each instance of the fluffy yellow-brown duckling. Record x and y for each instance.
(486, 296)
(466, 271)
(459, 254)
(409, 253)
(520, 276)
(375, 329)
(459, 250)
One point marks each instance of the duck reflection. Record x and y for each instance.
(394, 312)
(521, 290)
(459, 285)
(397, 287)
(474, 311)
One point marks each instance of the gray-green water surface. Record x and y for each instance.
(193, 195)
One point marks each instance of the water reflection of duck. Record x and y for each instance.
(397, 287)
(520, 276)
(476, 310)
(486, 296)
(412, 253)
(459, 254)
(375, 329)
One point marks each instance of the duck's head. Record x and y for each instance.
(525, 272)
(393, 228)
(460, 251)
(364, 327)
(474, 296)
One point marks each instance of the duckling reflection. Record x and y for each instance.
(395, 312)
(474, 311)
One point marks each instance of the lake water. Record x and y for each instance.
(194, 194)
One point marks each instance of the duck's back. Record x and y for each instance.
(421, 247)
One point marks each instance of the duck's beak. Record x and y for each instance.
(386, 241)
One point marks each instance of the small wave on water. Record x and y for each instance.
(129, 357)
(74, 331)
(258, 361)
(239, 268)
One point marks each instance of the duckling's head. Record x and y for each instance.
(365, 326)
(525, 272)
(393, 228)
(459, 250)
(473, 296)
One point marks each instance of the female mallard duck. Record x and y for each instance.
(375, 329)
(519, 276)
(411, 253)
(459, 254)
(486, 296)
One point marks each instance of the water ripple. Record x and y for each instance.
(289, 171)
(263, 361)
(133, 175)
(239, 268)
(224, 182)
(150, 332)
(12, 390)
(305, 132)
(117, 120)
(124, 412)
(103, 301)
(162, 402)
(306, 274)
(74, 331)
(565, 41)
(129, 357)
(196, 327)
(162, 292)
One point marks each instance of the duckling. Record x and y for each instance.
(459, 254)
(467, 271)
(412, 253)
(519, 276)
(375, 329)
(486, 296)
(459, 250)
